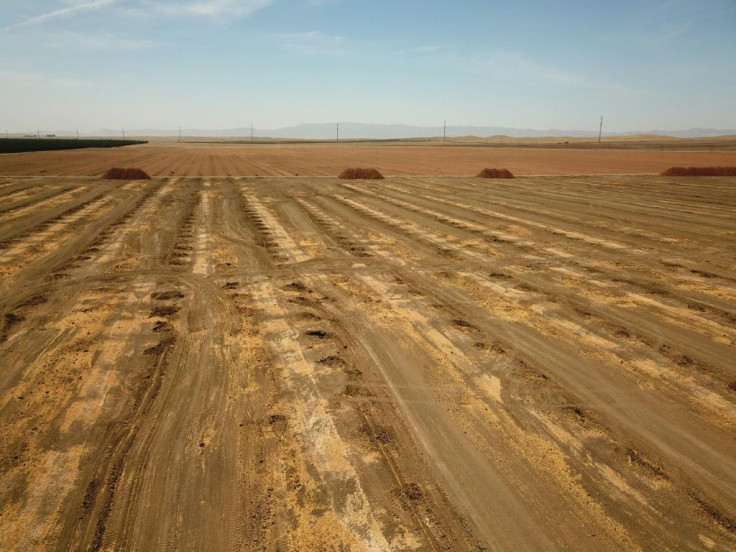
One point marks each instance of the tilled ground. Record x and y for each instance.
(411, 364)
(160, 158)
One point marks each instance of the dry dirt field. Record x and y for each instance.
(420, 363)
(165, 158)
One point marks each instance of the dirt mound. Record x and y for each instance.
(360, 174)
(700, 171)
(495, 173)
(126, 174)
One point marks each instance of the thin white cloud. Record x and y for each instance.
(87, 42)
(211, 8)
(313, 43)
(70, 83)
(426, 49)
(69, 11)
(202, 8)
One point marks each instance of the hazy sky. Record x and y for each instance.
(92, 64)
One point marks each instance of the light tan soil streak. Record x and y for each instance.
(421, 363)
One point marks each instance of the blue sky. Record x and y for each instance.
(91, 64)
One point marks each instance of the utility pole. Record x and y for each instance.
(123, 134)
(77, 134)
(444, 132)
(251, 132)
(600, 130)
(180, 133)
(337, 130)
(38, 134)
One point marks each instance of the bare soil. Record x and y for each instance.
(167, 159)
(418, 363)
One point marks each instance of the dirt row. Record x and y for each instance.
(421, 363)
(165, 159)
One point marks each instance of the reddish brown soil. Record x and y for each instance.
(165, 159)
(495, 173)
(700, 171)
(360, 174)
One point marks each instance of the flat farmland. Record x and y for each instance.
(166, 158)
(420, 363)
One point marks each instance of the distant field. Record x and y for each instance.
(416, 363)
(21, 145)
(166, 158)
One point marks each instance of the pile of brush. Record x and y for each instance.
(360, 174)
(700, 171)
(126, 174)
(495, 173)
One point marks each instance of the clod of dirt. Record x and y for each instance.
(164, 311)
(35, 300)
(678, 358)
(161, 347)
(352, 372)
(278, 423)
(732, 386)
(636, 459)
(463, 324)
(383, 437)
(413, 492)
(309, 316)
(126, 174)
(700, 171)
(12, 319)
(332, 361)
(360, 174)
(495, 173)
(230, 285)
(703, 273)
(160, 326)
(321, 334)
(352, 390)
(166, 295)
(295, 286)
(716, 515)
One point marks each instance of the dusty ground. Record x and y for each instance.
(161, 158)
(415, 364)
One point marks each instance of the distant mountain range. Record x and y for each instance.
(348, 131)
